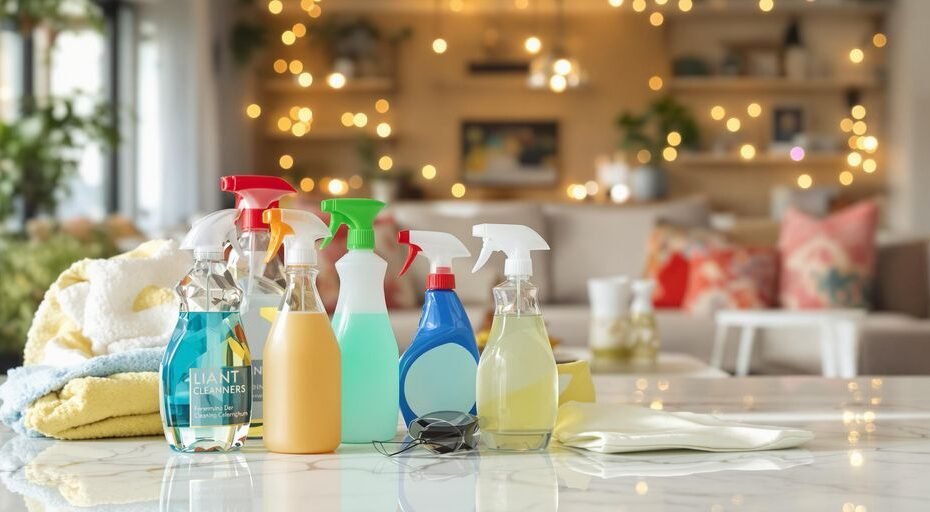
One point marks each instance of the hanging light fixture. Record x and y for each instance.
(556, 70)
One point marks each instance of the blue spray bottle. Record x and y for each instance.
(438, 371)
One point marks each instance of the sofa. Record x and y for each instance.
(592, 240)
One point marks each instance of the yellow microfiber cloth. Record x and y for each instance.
(121, 405)
(98, 309)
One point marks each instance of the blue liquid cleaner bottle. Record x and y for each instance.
(205, 385)
(438, 371)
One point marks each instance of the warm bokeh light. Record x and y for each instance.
(280, 66)
(284, 124)
(428, 171)
(859, 127)
(673, 138)
(869, 165)
(532, 45)
(286, 161)
(440, 45)
(558, 83)
(314, 11)
(576, 191)
(562, 66)
(360, 119)
(299, 29)
(383, 130)
(288, 37)
(856, 55)
(846, 124)
(717, 113)
(615, 3)
(846, 178)
(734, 124)
(858, 112)
(275, 6)
(670, 154)
(656, 19)
(356, 182)
(747, 151)
(458, 190)
(685, 5)
(336, 80)
(382, 106)
(854, 159)
(643, 156)
(805, 181)
(655, 82)
(591, 187)
(294, 112)
(299, 129)
(385, 163)
(879, 40)
(307, 184)
(337, 187)
(305, 114)
(305, 79)
(754, 110)
(797, 153)
(766, 5)
(253, 110)
(295, 67)
(347, 119)
(620, 193)
(639, 5)
(870, 144)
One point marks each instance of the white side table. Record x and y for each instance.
(839, 336)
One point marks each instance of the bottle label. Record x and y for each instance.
(220, 396)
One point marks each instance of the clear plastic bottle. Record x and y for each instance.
(205, 384)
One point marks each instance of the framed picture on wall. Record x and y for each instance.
(510, 153)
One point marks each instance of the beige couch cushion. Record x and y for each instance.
(600, 240)
(457, 218)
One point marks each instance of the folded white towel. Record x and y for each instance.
(614, 428)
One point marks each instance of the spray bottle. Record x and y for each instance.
(261, 281)
(302, 383)
(369, 349)
(438, 371)
(518, 391)
(205, 384)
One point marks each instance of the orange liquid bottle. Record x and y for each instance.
(302, 374)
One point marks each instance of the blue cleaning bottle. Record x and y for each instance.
(439, 369)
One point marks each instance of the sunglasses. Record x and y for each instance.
(439, 432)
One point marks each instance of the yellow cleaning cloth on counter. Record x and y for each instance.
(121, 405)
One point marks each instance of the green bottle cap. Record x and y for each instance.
(358, 214)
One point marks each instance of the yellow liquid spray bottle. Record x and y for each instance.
(517, 387)
(302, 360)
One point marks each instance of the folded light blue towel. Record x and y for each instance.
(26, 384)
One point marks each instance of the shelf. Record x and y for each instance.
(711, 84)
(766, 159)
(716, 8)
(353, 85)
(326, 134)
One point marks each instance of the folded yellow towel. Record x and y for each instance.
(121, 405)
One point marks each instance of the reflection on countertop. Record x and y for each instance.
(871, 450)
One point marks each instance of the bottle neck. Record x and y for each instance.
(300, 292)
(516, 296)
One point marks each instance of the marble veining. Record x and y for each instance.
(871, 453)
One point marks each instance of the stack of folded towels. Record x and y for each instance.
(92, 353)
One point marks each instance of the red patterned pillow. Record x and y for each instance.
(828, 263)
(738, 278)
(669, 251)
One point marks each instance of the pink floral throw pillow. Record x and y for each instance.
(738, 278)
(828, 263)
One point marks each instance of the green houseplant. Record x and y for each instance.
(649, 131)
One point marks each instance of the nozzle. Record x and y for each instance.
(358, 214)
(208, 236)
(440, 249)
(298, 230)
(255, 194)
(515, 240)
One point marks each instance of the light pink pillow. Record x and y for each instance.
(830, 262)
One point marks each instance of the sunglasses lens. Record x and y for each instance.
(444, 431)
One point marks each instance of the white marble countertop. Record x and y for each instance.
(871, 453)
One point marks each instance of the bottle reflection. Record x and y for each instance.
(524, 481)
(428, 481)
(205, 482)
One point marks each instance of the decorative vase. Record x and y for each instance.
(648, 183)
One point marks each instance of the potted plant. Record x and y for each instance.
(648, 132)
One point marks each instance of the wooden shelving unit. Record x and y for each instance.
(367, 85)
(706, 159)
(736, 84)
(327, 135)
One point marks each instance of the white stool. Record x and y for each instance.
(839, 336)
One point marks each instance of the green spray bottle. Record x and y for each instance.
(370, 382)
